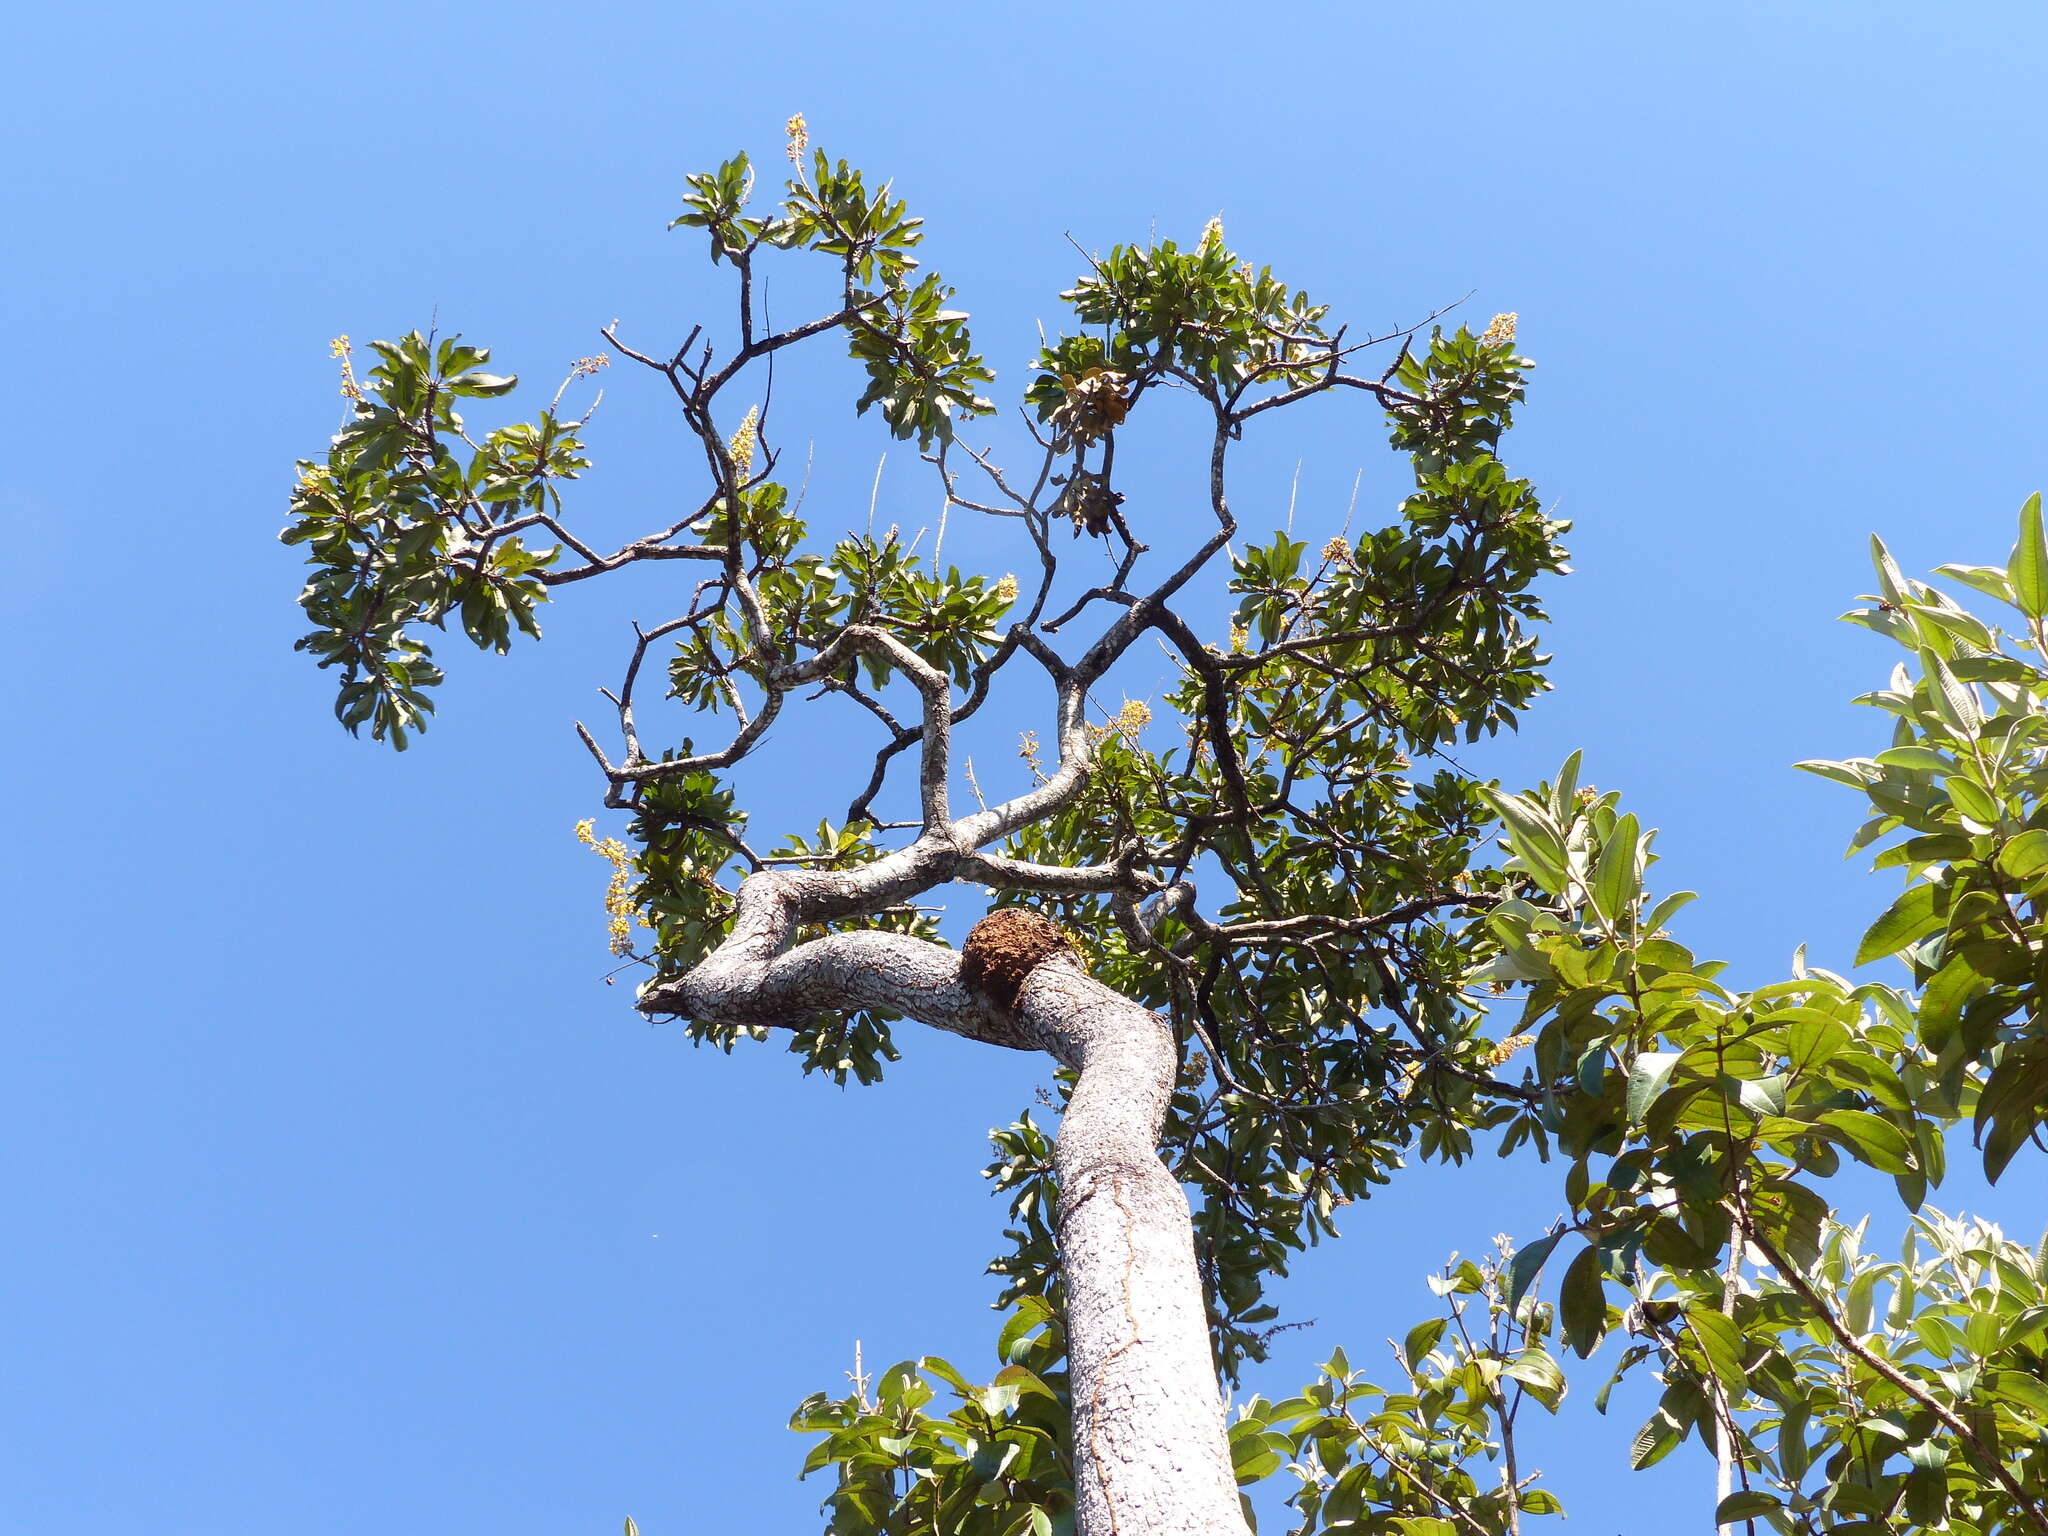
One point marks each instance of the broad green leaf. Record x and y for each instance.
(1917, 759)
(1648, 1076)
(1972, 799)
(1955, 701)
(2024, 1327)
(1746, 1504)
(1527, 1262)
(1906, 921)
(1666, 909)
(1792, 1448)
(1582, 1303)
(1988, 579)
(1841, 773)
(1890, 579)
(1654, 1441)
(1535, 1369)
(1616, 875)
(2025, 856)
(1874, 1140)
(1564, 787)
(1539, 843)
(1421, 1340)
(2022, 1388)
(1721, 1341)
(2028, 572)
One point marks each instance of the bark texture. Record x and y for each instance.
(1150, 1454)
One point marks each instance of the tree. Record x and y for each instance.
(1717, 1112)
(1328, 870)
(1268, 956)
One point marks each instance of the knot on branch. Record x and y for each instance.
(1005, 947)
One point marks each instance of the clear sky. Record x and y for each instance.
(339, 1195)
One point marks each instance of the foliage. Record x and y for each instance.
(1280, 854)
(1404, 1461)
(1699, 1121)
(995, 1464)
(1965, 776)
(404, 528)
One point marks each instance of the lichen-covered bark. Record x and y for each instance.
(1149, 1448)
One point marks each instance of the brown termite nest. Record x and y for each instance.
(1005, 947)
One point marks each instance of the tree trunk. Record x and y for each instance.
(1150, 1455)
(1149, 1449)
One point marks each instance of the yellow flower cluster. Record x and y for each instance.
(584, 367)
(1502, 330)
(1240, 637)
(743, 443)
(1131, 718)
(1507, 1048)
(1212, 232)
(620, 913)
(1006, 590)
(799, 138)
(339, 347)
(1338, 551)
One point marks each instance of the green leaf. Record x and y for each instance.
(483, 384)
(1906, 921)
(1972, 799)
(1917, 760)
(1661, 914)
(2025, 856)
(1648, 1075)
(1746, 1504)
(2011, 1105)
(1527, 1262)
(1955, 701)
(1793, 1451)
(1889, 577)
(1841, 773)
(2023, 1389)
(1616, 875)
(1564, 787)
(1654, 1441)
(1535, 1369)
(2028, 571)
(1721, 1341)
(1539, 843)
(1421, 1340)
(2022, 1328)
(1874, 1140)
(1582, 1304)
(1988, 579)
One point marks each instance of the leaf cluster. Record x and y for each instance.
(409, 521)
(1965, 779)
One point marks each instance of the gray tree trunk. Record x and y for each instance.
(1150, 1453)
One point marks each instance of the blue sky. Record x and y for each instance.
(340, 1195)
